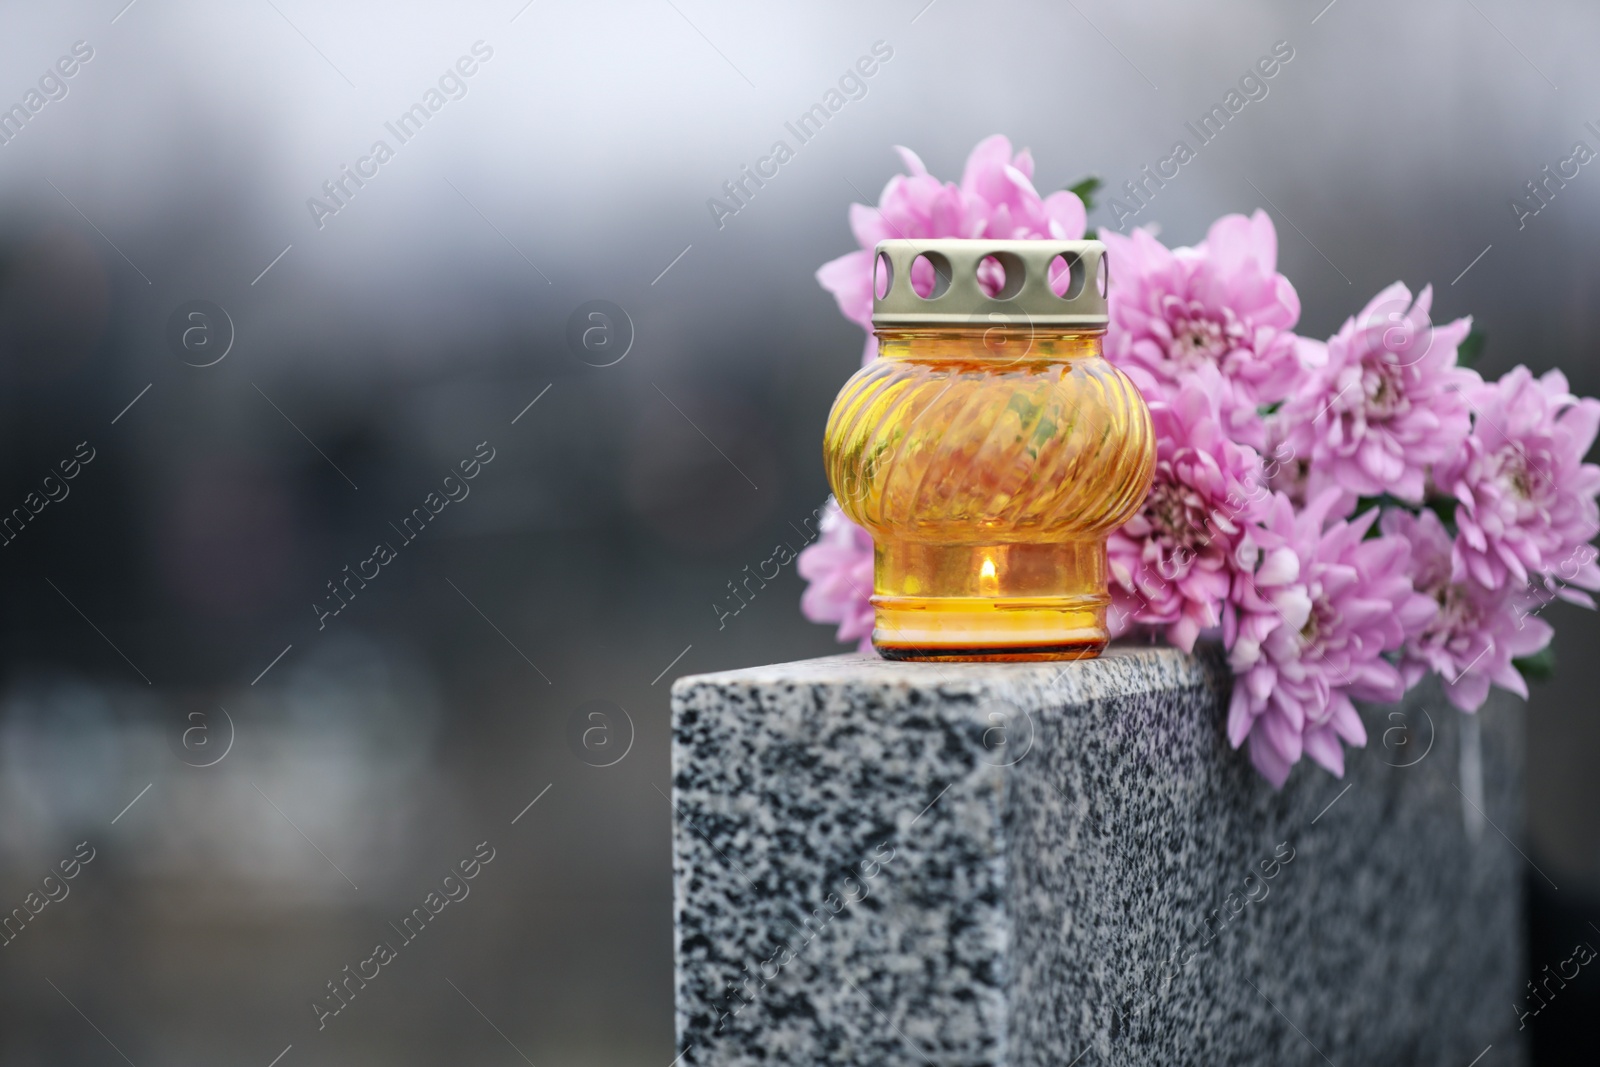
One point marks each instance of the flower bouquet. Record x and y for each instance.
(1345, 516)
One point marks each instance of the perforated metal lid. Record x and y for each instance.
(1025, 300)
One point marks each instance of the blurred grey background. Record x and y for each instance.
(173, 588)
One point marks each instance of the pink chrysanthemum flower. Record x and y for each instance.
(996, 198)
(1307, 630)
(1221, 303)
(839, 567)
(1477, 631)
(1386, 404)
(1172, 563)
(1526, 500)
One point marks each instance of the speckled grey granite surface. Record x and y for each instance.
(1019, 864)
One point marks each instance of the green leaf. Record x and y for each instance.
(1539, 667)
(1471, 347)
(1085, 191)
(1445, 508)
(1383, 500)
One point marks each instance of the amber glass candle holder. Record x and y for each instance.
(989, 450)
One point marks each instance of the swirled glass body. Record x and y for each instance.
(989, 466)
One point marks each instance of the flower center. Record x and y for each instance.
(1453, 603)
(1519, 482)
(1383, 384)
(1177, 513)
(1459, 612)
(1523, 483)
(1199, 335)
(1321, 613)
(1194, 340)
